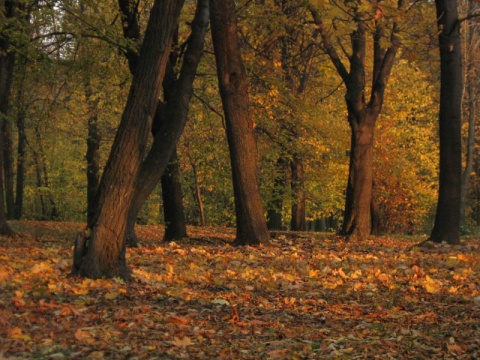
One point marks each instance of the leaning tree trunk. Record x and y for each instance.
(447, 218)
(102, 252)
(173, 118)
(232, 79)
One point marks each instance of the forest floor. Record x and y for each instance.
(310, 296)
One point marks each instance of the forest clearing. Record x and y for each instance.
(305, 296)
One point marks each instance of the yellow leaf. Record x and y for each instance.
(111, 296)
(185, 341)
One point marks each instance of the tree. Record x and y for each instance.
(471, 85)
(232, 79)
(170, 119)
(101, 251)
(362, 113)
(8, 14)
(447, 218)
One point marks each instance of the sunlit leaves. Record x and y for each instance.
(313, 296)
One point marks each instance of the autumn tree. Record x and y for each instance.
(170, 118)
(470, 41)
(101, 251)
(9, 14)
(362, 111)
(233, 83)
(447, 218)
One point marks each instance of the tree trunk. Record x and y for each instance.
(93, 152)
(172, 119)
(196, 189)
(7, 63)
(21, 151)
(103, 255)
(471, 80)
(232, 79)
(357, 219)
(298, 208)
(447, 218)
(362, 114)
(8, 162)
(467, 173)
(173, 212)
(275, 205)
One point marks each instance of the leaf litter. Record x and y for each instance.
(306, 297)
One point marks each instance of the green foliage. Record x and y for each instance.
(53, 73)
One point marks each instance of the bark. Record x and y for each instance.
(93, 152)
(197, 192)
(472, 113)
(173, 212)
(275, 205)
(105, 253)
(232, 79)
(8, 172)
(172, 118)
(362, 115)
(21, 151)
(4, 227)
(7, 63)
(447, 217)
(298, 208)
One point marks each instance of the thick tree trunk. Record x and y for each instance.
(7, 63)
(103, 255)
(298, 208)
(362, 114)
(447, 218)
(172, 118)
(173, 212)
(232, 78)
(357, 219)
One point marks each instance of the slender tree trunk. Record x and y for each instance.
(8, 162)
(275, 205)
(467, 173)
(172, 119)
(375, 213)
(298, 207)
(471, 81)
(197, 193)
(102, 251)
(93, 152)
(21, 151)
(232, 78)
(447, 218)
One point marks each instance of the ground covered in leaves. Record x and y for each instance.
(311, 296)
